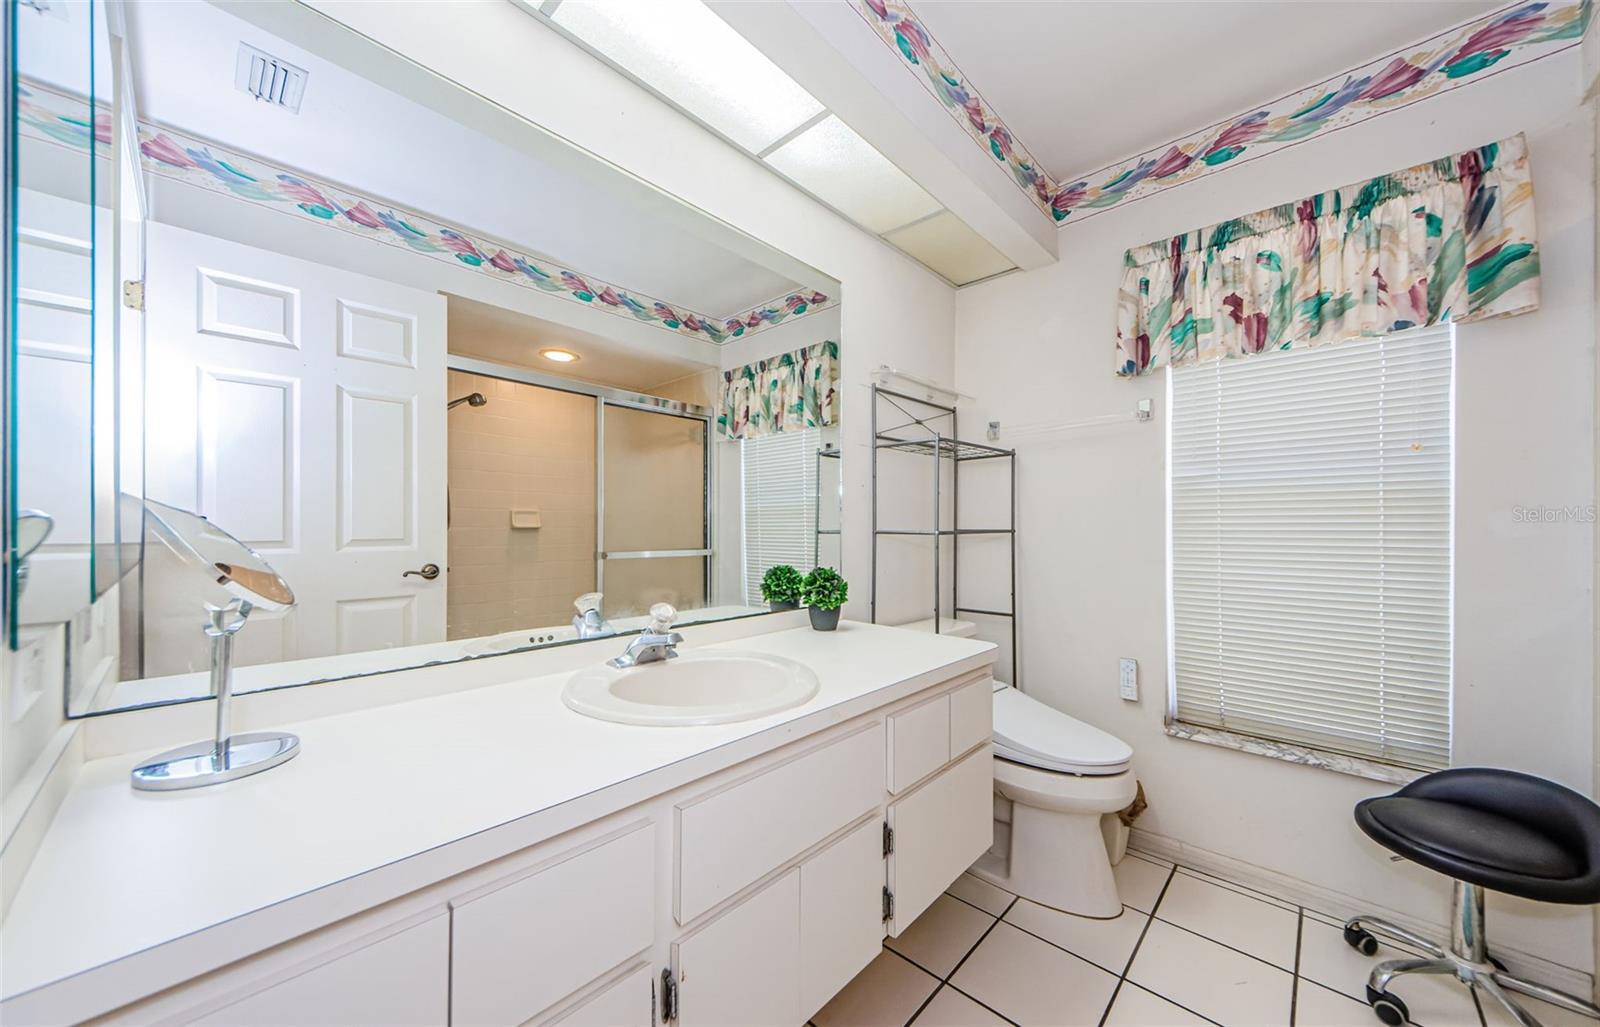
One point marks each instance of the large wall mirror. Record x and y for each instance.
(455, 381)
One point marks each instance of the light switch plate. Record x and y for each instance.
(1128, 682)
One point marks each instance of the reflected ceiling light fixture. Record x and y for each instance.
(560, 356)
(682, 49)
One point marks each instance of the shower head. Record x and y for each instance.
(475, 399)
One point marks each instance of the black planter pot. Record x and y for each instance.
(824, 620)
(777, 607)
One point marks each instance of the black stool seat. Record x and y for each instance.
(1505, 831)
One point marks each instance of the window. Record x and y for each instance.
(1311, 499)
(780, 503)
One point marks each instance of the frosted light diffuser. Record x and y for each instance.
(693, 58)
(844, 171)
(945, 244)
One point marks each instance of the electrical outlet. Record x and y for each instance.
(1128, 683)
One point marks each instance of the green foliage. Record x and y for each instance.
(782, 584)
(825, 589)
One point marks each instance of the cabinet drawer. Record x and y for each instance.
(971, 715)
(627, 1002)
(841, 921)
(742, 967)
(518, 947)
(732, 837)
(919, 742)
(403, 979)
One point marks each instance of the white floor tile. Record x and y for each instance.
(985, 896)
(944, 933)
(1105, 943)
(950, 1008)
(1433, 1000)
(1237, 920)
(1495, 1015)
(1316, 1006)
(1211, 979)
(1032, 982)
(1139, 882)
(1135, 1007)
(886, 993)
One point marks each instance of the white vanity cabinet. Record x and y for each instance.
(749, 894)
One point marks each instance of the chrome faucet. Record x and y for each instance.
(590, 622)
(658, 641)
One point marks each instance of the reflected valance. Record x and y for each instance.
(1450, 240)
(781, 393)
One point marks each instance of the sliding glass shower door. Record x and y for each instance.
(653, 507)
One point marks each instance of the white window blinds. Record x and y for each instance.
(780, 503)
(1311, 510)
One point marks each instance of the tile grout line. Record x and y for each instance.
(1230, 948)
(1149, 919)
(945, 980)
(1294, 984)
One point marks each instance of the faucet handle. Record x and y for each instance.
(661, 617)
(588, 601)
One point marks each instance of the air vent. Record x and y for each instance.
(270, 79)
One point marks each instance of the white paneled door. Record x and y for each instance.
(302, 408)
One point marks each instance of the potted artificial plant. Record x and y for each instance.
(781, 587)
(825, 591)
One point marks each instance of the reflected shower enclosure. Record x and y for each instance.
(560, 488)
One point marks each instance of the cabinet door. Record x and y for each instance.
(939, 830)
(841, 918)
(743, 968)
(403, 979)
(627, 1002)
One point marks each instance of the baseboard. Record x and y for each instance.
(1338, 904)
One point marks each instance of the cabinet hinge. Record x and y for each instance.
(669, 996)
(888, 904)
(888, 838)
(133, 295)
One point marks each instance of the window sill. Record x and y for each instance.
(1355, 766)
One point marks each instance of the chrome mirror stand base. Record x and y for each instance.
(227, 756)
(204, 763)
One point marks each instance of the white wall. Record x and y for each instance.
(896, 312)
(1039, 346)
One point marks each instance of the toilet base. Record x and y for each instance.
(1063, 864)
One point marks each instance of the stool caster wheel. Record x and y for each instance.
(1361, 939)
(1389, 1008)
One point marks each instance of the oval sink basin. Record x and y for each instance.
(697, 688)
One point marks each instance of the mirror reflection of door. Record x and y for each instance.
(301, 407)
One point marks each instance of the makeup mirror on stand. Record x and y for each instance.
(230, 581)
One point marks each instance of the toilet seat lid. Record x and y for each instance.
(1028, 731)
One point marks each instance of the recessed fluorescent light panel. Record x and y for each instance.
(698, 62)
(830, 160)
(686, 54)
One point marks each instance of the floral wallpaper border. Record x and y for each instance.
(59, 118)
(1500, 40)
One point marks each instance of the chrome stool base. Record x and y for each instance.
(1466, 959)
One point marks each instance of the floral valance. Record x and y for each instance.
(1451, 240)
(781, 393)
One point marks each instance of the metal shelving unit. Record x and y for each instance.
(829, 452)
(928, 429)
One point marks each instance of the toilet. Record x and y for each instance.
(1056, 780)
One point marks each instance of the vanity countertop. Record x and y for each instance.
(463, 777)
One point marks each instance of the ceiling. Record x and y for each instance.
(508, 337)
(358, 134)
(1042, 66)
